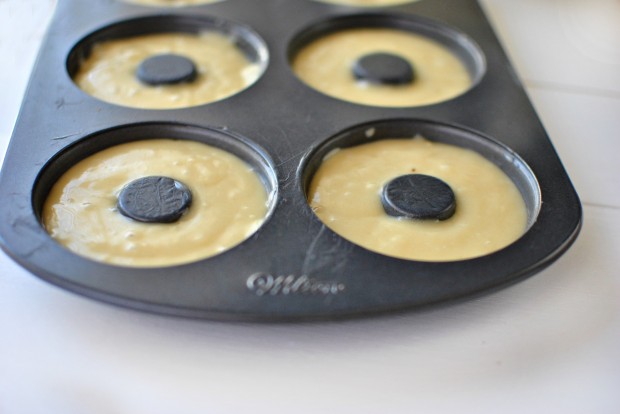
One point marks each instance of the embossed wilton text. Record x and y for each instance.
(264, 283)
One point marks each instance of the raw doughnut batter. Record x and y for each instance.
(109, 73)
(325, 64)
(229, 204)
(345, 195)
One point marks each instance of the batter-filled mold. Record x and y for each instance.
(168, 62)
(421, 191)
(386, 60)
(157, 198)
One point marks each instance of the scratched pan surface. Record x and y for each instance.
(293, 267)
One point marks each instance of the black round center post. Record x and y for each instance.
(418, 196)
(383, 68)
(166, 69)
(154, 199)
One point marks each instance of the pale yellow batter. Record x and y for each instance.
(345, 195)
(171, 3)
(325, 64)
(229, 204)
(223, 70)
(368, 3)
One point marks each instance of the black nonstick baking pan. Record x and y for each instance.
(293, 267)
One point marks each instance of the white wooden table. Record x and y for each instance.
(548, 345)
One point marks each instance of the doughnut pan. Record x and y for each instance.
(293, 267)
